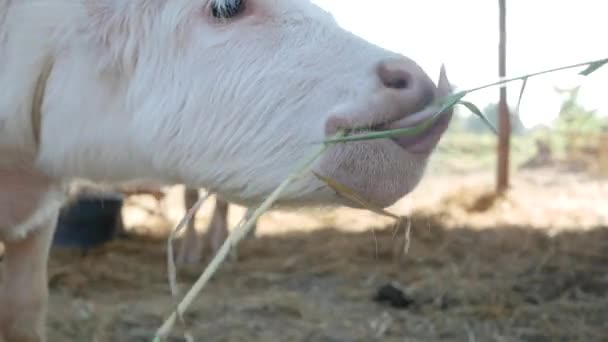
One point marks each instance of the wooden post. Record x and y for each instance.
(603, 154)
(504, 122)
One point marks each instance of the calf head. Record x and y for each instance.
(231, 95)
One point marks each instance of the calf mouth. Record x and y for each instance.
(427, 125)
(424, 141)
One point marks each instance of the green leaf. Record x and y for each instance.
(593, 67)
(446, 103)
(473, 108)
(377, 135)
(451, 100)
(521, 93)
(385, 134)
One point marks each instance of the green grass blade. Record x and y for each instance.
(450, 101)
(454, 99)
(447, 102)
(473, 108)
(521, 93)
(593, 67)
(379, 135)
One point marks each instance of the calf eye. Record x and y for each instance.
(226, 9)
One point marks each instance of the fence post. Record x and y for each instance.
(504, 122)
(603, 154)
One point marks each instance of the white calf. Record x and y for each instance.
(226, 95)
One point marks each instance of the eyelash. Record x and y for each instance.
(228, 9)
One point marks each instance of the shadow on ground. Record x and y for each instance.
(496, 284)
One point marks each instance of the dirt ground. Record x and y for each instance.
(532, 266)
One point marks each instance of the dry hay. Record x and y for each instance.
(471, 274)
(508, 283)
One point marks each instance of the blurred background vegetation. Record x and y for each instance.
(573, 137)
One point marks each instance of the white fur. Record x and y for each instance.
(159, 90)
(156, 89)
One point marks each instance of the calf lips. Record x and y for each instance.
(425, 141)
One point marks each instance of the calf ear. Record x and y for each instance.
(117, 31)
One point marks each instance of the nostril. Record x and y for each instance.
(413, 86)
(397, 83)
(394, 76)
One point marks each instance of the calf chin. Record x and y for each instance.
(395, 174)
